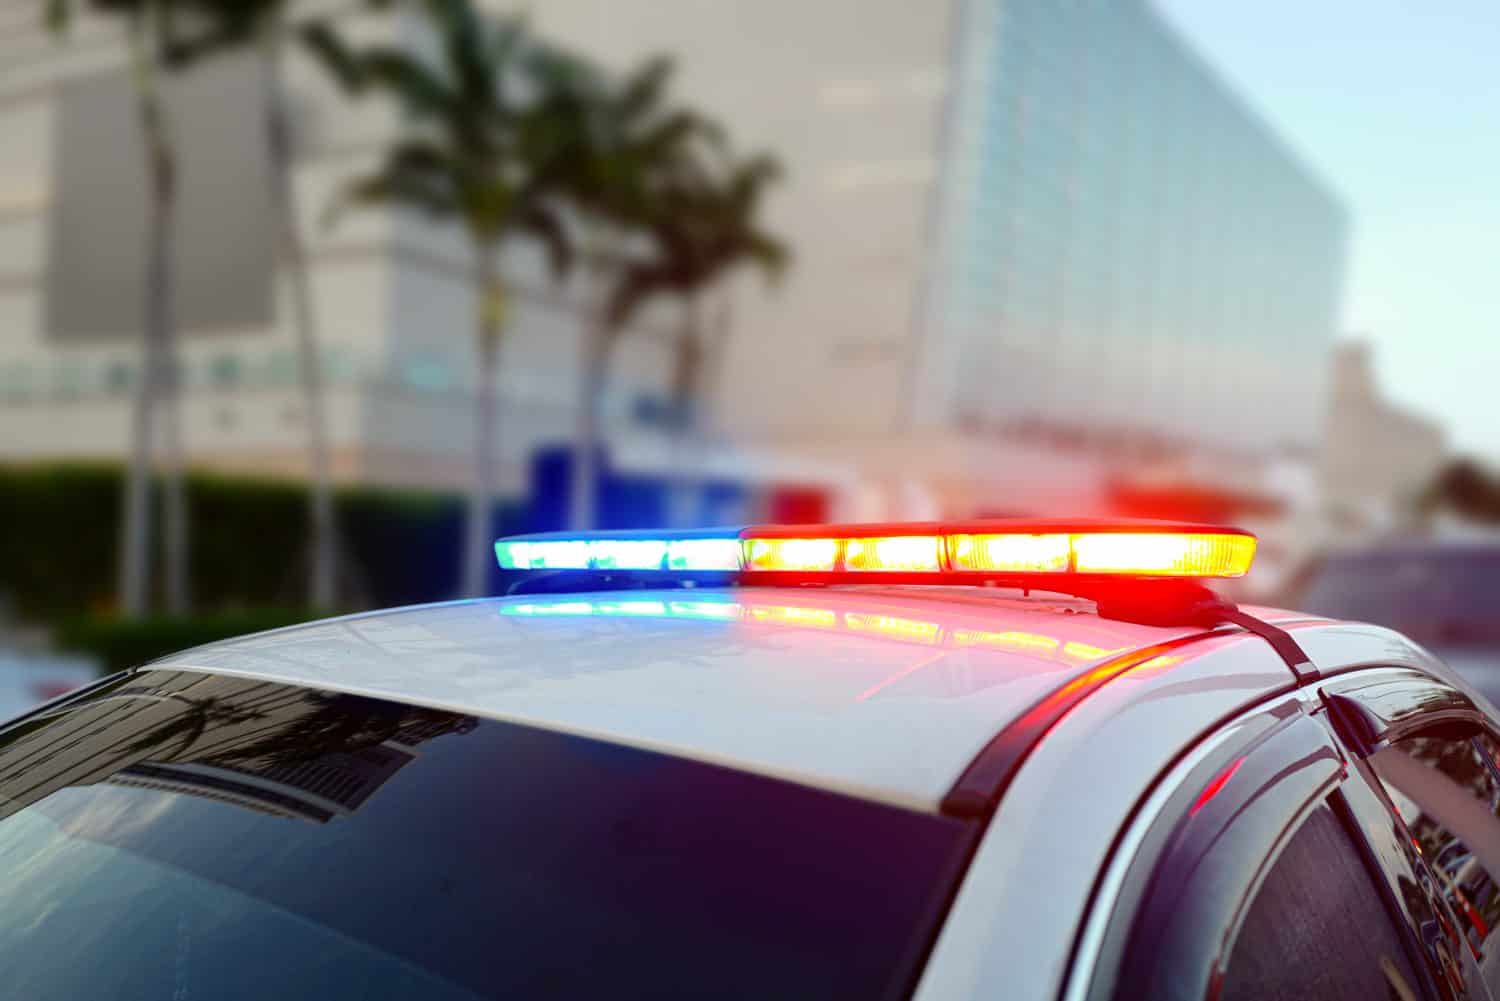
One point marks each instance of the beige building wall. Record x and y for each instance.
(850, 96)
(1377, 457)
(392, 294)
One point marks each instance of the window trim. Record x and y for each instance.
(1372, 709)
(1361, 656)
(1137, 937)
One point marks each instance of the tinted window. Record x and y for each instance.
(1448, 792)
(1435, 596)
(1317, 928)
(191, 836)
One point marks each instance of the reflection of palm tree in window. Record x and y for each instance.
(189, 725)
(341, 724)
(286, 751)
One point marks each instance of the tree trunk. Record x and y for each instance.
(156, 376)
(479, 551)
(322, 531)
(687, 364)
(597, 337)
(178, 582)
(135, 511)
(710, 378)
(160, 302)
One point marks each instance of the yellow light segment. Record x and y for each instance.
(1009, 553)
(1164, 554)
(808, 555)
(904, 552)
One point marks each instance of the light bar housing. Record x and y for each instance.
(1027, 553)
(699, 551)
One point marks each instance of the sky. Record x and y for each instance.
(1396, 105)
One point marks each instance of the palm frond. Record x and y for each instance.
(424, 193)
(643, 91)
(545, 224)
(341, 62)
(406, 78)
(420, 156)
(463, 30)
(58, 15)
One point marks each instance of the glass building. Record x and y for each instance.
(1121, 243)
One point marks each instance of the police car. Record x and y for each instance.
(1018, 760)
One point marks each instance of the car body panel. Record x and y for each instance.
(1337, 647)
(1479, 666)
(886, 693)
(1045, 846)
(1159, 712)
(883, 693)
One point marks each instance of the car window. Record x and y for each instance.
(1441, 596)
(1447, 790)
(193, 836)
(1317, 928)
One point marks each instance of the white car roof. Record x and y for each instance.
(885, 693)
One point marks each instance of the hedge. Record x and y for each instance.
(249, 542)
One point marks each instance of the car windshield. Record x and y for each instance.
(1438, 596)
(185, 835)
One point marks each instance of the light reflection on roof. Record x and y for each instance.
(899, 628)
(883, 692)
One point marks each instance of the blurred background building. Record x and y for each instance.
(1028, 235)
(1024, 234)
(1044, 259)
(394, 295)
(1377, 457)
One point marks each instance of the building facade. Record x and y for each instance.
(1122, 242)
(1377, 458)
(1008, 215)
(1004, 216)
(392, 294)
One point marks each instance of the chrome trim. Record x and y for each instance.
(1101, 908)
(1403, 660)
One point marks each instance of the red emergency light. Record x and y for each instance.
(959, 551)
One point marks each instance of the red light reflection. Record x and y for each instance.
(1216, 786)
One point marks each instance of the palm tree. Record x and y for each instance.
(233, 24)
(634, 151)
(703, 236)
(322, 570)
(701, 222)
(153, 33)
(485, 151)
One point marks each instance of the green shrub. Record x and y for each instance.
(60, 525)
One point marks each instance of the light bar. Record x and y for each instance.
(996, 550)
(1011, 553)
(627, 554)
(622, 552)
(1125, 554)
(703, 554)
(1164, 554)
(805, 555)
(894, 553)
(561, 554)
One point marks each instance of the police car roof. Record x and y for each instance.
(888, 693)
